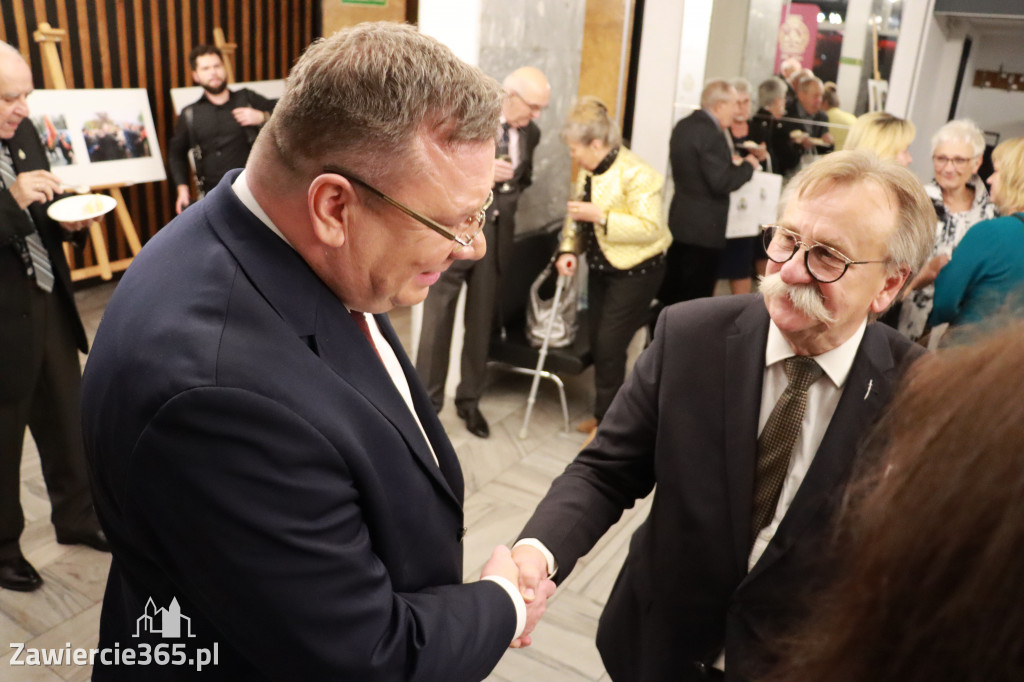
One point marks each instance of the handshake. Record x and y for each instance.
(526, 567)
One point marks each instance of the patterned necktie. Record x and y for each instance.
(360, 318)
(775, 445)
(37, 261)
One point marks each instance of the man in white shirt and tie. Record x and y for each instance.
(746, 412)
(526, 95)
(40, 338)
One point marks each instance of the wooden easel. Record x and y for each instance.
(228, 50)
(48, 37)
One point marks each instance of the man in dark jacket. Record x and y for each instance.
(40, 336)
(704, 174)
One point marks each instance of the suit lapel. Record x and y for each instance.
(321, 320)
(744, 375)
(865, 393)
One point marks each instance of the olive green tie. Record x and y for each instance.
(775, 444)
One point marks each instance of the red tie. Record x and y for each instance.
(360, 318)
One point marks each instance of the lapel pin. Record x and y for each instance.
(21, 154)
(866, 393)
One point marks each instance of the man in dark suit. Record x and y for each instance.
(40, 339)
(746, 411)
(526, 94)
(703, 174)
(266, 463)
(800, 133)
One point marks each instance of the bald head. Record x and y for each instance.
(527, 94)
(15, 87)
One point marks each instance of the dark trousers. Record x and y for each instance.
(691, 272)
(619, 305)
(481, 279)
(52, 410)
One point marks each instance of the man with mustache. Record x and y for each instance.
(219, 128)
(746, 411)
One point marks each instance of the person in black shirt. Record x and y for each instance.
(219, 127)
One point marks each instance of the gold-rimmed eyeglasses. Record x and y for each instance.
(463, 235)
(825, 264)
(534, 108)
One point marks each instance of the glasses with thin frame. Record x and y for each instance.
(824, 263)
(463, 235)
(958, 162)
(534, 108)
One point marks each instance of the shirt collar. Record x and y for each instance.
(244, 194)
(836, 363)
(712, 117)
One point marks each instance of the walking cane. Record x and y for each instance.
(559, 286)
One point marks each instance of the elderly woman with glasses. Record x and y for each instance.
(960, 201)
(617, 220)
(986, 274)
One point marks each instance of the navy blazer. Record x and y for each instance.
(686, 420)
(19, 332)
(253, 460)
(703, 175)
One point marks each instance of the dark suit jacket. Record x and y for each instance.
(767, 129)
(501, 231)
(19, 332)
(787, 151)
(253, 460)
(686, 419)
(703, 175)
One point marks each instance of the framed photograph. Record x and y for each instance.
(98, 137)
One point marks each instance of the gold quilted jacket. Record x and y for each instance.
(630, 194)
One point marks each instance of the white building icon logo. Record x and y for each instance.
(164, 622)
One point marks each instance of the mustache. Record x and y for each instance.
(805, 297)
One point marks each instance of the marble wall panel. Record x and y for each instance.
(547, 34)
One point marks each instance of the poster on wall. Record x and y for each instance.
(798, 34)
(98, 137)
(182, 97)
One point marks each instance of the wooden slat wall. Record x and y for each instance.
(145, 44)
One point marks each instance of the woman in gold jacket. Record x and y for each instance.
(618, 222)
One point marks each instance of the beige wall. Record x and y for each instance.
(338, 15)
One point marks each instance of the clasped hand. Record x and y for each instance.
(521, 567)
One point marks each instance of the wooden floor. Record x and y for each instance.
(505, 478)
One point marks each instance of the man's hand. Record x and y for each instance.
(760, 152)
(503, 170)
(38, 186)
(566, 264)
(247, 116)
(828, 139)
(184, 199)
(752, 160)
(928, 273)
(535, 587)
(77, 225)
(501, 564)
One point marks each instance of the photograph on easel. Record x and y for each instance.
(98, 137)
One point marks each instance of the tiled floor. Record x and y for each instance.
(505, 478)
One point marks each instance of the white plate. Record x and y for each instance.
(81, 207)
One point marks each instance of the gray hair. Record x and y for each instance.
(962, 130)
(741, 84)
(770, 90)
(911, 244)
(590, 120)
(805, 83)
(715, 91)
(361, 96)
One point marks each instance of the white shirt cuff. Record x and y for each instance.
(517, 600)
(549, 558)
